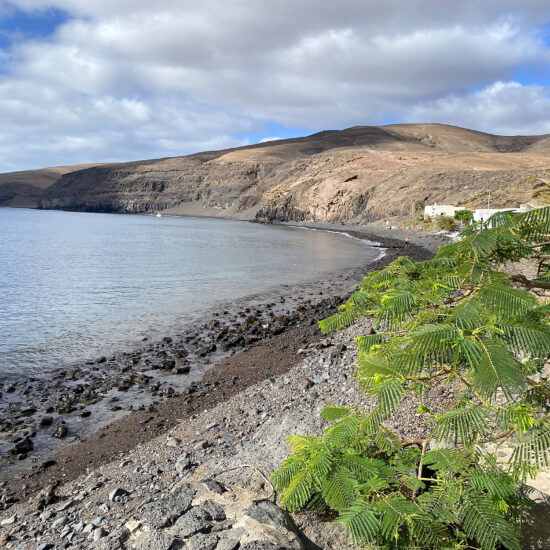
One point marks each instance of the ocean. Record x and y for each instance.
(74, 286)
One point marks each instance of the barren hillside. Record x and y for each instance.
(24, 189)
(362, 173)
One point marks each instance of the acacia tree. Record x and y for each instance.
(455, 320)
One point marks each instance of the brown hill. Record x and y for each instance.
(362, 173)
(24, 189)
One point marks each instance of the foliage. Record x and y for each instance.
(445, 223)
(467, 216)
(455, 320)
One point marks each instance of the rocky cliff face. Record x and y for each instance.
(362, 173)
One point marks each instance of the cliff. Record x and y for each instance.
(361, 173)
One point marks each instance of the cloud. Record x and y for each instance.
(124, 79)
(507, 108)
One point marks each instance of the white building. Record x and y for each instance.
(480, 214)
(434, 210)
(483, 214)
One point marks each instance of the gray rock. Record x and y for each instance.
(61, 431)
(270, 514)
(197, 520)
(202, 542)
(113, 541)
(215, 486)
(22, 447)
(182, 463)
(226, 543)
(263, 545)
(156, 541)
(116, 494)
(45, 546)
(99, 534)
(165, 511)
(8, 521)
(214, 509)
(59, 522)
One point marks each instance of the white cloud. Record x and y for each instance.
(265, 140)
(123, 79)
(506, 108)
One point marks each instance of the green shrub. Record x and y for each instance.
(455, 320)
(467, 216)
(446, 223)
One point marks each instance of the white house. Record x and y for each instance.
(483, 214)
(480, 214)
(434, 210)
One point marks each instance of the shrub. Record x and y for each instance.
(446, 223)
(467, 216)
(455, 320)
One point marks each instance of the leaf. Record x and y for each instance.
(465, 425)
(334, 413)
(532, 341)
(506, 301)
(298, 491)
(340, 489)
(484, 523)
(360, 521)
(534, 448)
(497, 369)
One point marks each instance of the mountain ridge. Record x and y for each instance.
(362, 173)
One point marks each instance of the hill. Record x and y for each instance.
(361, 173)
(24, 189)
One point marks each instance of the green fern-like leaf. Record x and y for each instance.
(465, 425)
(360, 521)
(334, 413)
(340, 489)
(484, 523)
(497, 369)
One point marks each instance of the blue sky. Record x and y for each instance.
(17, 25)
(116, 80)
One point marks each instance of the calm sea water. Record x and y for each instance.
(74, 286)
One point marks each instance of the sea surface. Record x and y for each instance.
(75, 286)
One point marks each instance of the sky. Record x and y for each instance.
(115, 80)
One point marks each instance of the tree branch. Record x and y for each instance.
(523, 280)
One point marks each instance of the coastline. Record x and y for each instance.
(271, 355)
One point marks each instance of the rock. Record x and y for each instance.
(263, 545)
(22, 447)
(59, 522)
(197, 520)
(61, 431)
(173, 442)
(182, 369)
(133, 526)
(113, 541)
(45, 421)
(226, 543)
(165, 511)
(215, 486)
(27, 412)
(96, 522)
(182, 463)
(157, 541)
(270, 514)
(99, 534)
(214, 509)
(8, 521)
(202, 542)
(304, 384)
(116, 494)
(101, 360)
(45, 546)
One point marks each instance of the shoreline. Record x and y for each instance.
(231, 375)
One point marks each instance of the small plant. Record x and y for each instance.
(455, 320)
(445, 223)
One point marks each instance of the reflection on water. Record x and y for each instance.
(75, 285)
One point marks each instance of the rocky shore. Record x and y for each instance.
(270, 370)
